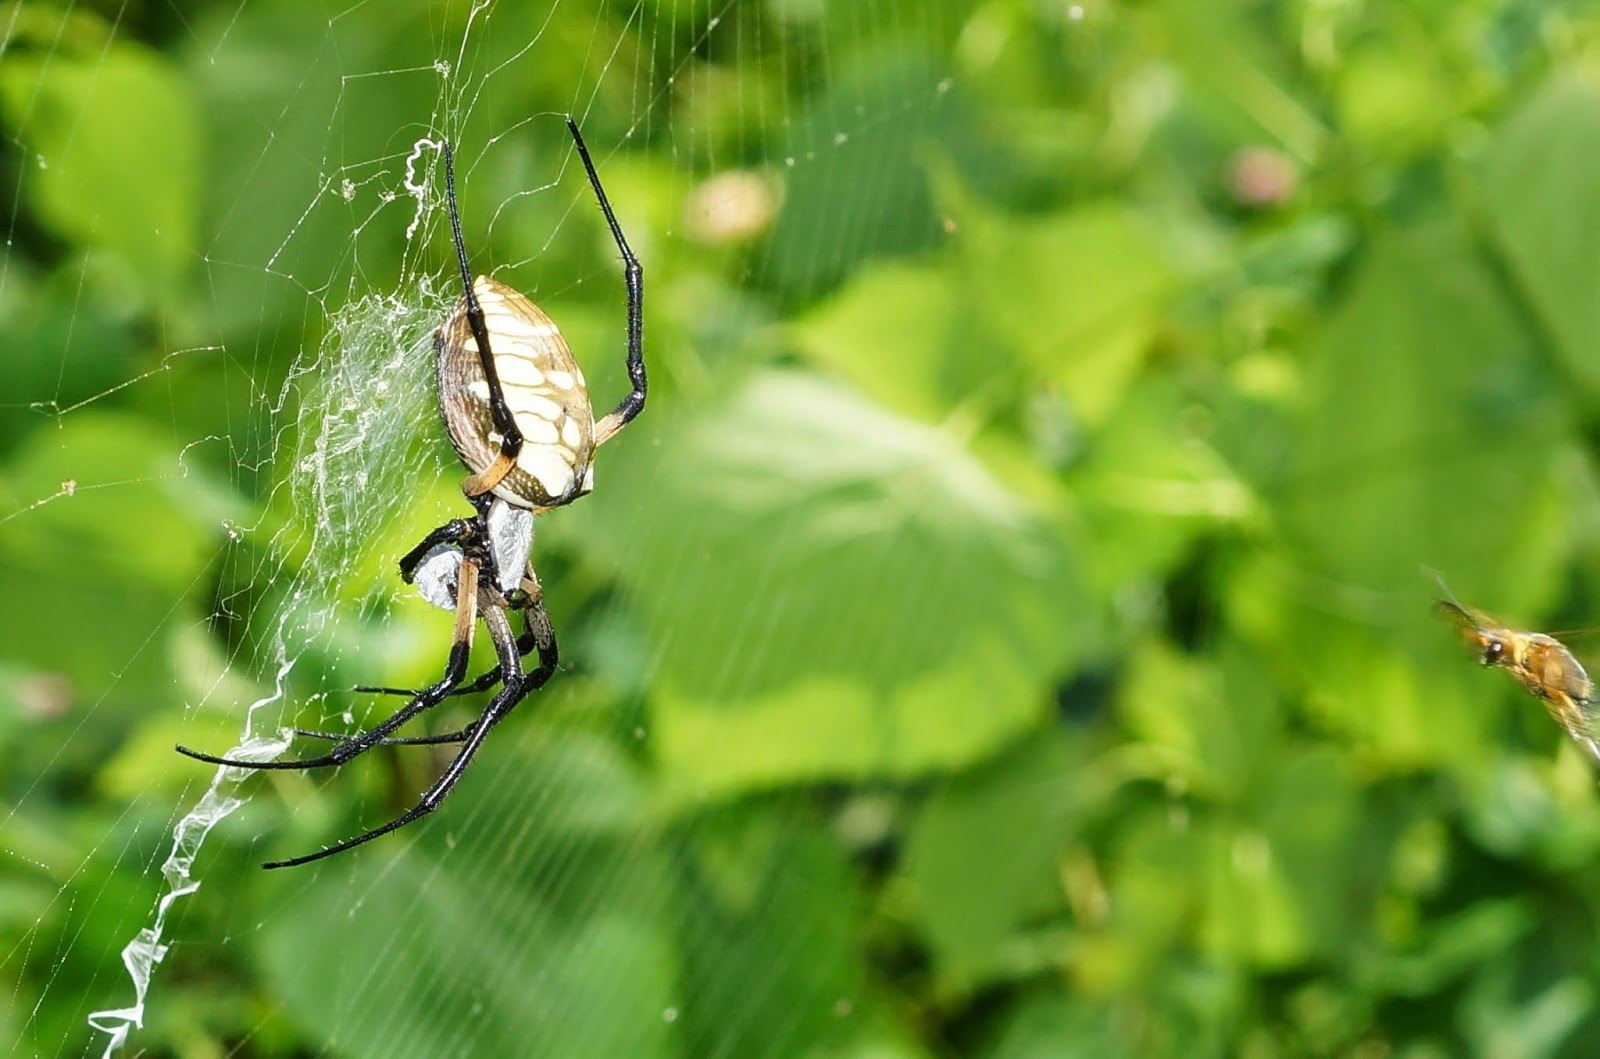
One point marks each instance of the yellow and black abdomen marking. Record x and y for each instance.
(543, 387)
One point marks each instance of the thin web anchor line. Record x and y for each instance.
(141, 955)
(325, 482)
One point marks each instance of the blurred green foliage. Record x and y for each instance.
(1005, 633)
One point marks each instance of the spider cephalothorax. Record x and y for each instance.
(517, 411)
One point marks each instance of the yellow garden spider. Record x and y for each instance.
(517, 410)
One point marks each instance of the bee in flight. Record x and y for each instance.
(1541, 663)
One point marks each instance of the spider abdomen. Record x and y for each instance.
(544, 390)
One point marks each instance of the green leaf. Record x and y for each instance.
(1453, 945)
(540, 933)
(1500, 1023)
(1078, 294)
(1053, 1024)
(62, 346)
(1151, 899)
(1431, 440)
(981, 855)
(1390, 97)
(1215, 726)
(771, 936)
(1428, 408)
(887, 331)
(1280, 875)
(1237, 77)
(109, 497)
(833, 592)
(843, 140)
(1542, 204)
(110, 532)
(114, 153)
(1150, 484)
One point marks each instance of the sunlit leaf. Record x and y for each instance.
(1212, 727)
(1056, 1025)
(115, 159)
(523, 941)
(982, 854)
(888, 331)
(1078, 294)
(1536, 1027)
(1540, 204)
(832, 591)
(772, 932)
(1429, 444)
(859, 134)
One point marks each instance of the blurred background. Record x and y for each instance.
(1006, 632)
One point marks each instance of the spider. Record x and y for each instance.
(517, 411)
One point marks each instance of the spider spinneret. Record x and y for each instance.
(516, 407)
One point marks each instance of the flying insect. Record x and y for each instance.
(1541, 663)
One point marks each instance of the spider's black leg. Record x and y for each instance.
(504, 422)
(540, 634)
(430, 801)
(455, 671)
(526, 643)
(633, 279)
(537, 633)
(456, 531)
(482, 682)
(517, 687)
(419, 740)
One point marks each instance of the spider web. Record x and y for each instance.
(1002, 632)
(325, 463)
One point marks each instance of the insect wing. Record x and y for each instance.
(1468, 621)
